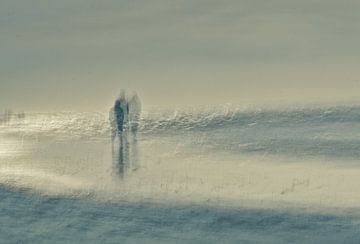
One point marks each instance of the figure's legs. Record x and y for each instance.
(126, 150)
(120, 163)
(134, 151)
(113, 145)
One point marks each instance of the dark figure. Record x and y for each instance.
(119, 116)
(118, 119)
(124, 119)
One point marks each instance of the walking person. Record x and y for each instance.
(118, 120)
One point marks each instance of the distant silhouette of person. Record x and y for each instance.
(124, 117)
(134, 106)
(118, 120)
(119, 116)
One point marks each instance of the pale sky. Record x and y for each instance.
(78, 54)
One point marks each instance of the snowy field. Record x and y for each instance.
(217, 175)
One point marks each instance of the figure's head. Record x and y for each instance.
(117, 103)
(134, 95)
(122, 94)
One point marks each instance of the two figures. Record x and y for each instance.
(124, 120)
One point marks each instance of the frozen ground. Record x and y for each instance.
(28, 218)
(214, 176)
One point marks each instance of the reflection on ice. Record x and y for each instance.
(11, 147)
